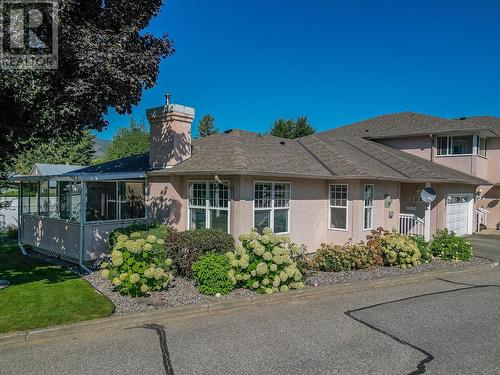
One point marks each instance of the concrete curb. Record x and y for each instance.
(182, 312)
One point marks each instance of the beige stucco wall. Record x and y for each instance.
(418, 146)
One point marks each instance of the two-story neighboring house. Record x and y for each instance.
(469, 144)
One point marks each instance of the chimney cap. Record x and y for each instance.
(167, 98)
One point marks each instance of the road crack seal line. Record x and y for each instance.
(428, 356)
(162, 335)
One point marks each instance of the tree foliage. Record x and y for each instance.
(133, 140)
(206, 126)
(292, 129)
(104, 61)
(76, 149)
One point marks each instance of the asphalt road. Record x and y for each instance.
(441, 326)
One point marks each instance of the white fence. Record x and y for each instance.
(411, 224)
(481, 216)
(8, 212)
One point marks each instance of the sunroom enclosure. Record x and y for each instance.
(72, 218)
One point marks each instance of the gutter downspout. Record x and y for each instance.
(83, 199)
(20, 222)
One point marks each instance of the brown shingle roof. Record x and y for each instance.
(401, 124)
(245, 153)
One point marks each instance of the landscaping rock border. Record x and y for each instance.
(183, 291)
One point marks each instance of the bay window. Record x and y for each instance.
(338, 206)
(368, 207)
(272, 206)
(455, 145)
(208, 205)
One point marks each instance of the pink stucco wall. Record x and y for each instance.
(309, 206)
(418, 146)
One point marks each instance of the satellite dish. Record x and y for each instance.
(428, 195)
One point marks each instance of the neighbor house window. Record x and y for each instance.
(338, 207)
(368, 207)
(456, 145)
(482, 145)
(208, 205)
(272, 206)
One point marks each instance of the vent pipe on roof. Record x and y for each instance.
(167, 99)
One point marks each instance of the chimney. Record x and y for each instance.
(170, 134)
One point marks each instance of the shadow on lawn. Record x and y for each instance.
(21, 269)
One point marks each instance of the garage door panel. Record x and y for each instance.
(457, 214)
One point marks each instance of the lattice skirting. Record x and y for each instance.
(92, 264)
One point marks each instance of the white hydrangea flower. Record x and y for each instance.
(117, 261)
(116, 254)
(116, 281)
(151, 238)
(123, 276)
(144, 288)
(122, 238)
(160, 241)
(267, 256)
(297, 276)
(283, 276)
(149, 273)
(105, 273)
(276, 282)
(268, 291)
(267, 231)
(261, 269)
(159, 273)
(265, 281)
(255, 285)
(134, 278)
(273, 267)
(284, 288)
(253, 273)
(135, 235)
(147, 247)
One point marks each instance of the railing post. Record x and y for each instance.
(427, 219)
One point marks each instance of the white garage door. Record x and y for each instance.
(458, 213)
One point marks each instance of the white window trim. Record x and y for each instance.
(207, 206)
(449, 138)
(330, 208)
(365, 206)
(485, 147)
(272, 208)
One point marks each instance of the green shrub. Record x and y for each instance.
(11, 232)
(211, 274)
(448, 246)
(138, 264)
(156, 229)
(264, 262)
(399, 250)
(332, 258)
(184, 248)
(424, 247)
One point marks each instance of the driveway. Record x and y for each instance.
(440, 326)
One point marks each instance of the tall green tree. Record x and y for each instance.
(133, 140)
(105, 60)
(292, 129)
(206, 126)
(78, 149)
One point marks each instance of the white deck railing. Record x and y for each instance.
(411, 224)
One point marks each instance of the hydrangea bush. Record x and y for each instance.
(265, 263)
(400, 250)
(448, 246)
(138, 264)
(335, 258)
(211, 274)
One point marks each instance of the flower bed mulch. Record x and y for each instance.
(183, 291)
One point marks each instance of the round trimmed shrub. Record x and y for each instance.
(265, 263)
(211, 274)
(138, 264)
(448, 246)
(184, 248)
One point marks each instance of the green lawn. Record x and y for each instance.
(42, 295)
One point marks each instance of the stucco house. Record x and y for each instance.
(331, 187)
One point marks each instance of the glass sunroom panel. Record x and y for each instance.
(44, 208)
(132, 200)
(101, 201)
(25, 197)
(33, 197)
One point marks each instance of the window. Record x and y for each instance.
(368, 207)
(272, 206)
(457, 145)
(482, 145)
(69, 200)
(338, 207)
(132, 200)
(44, 198)
(101, 201)
(33, 197)
(208, 205)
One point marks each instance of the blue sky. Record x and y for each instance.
(251, 62)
